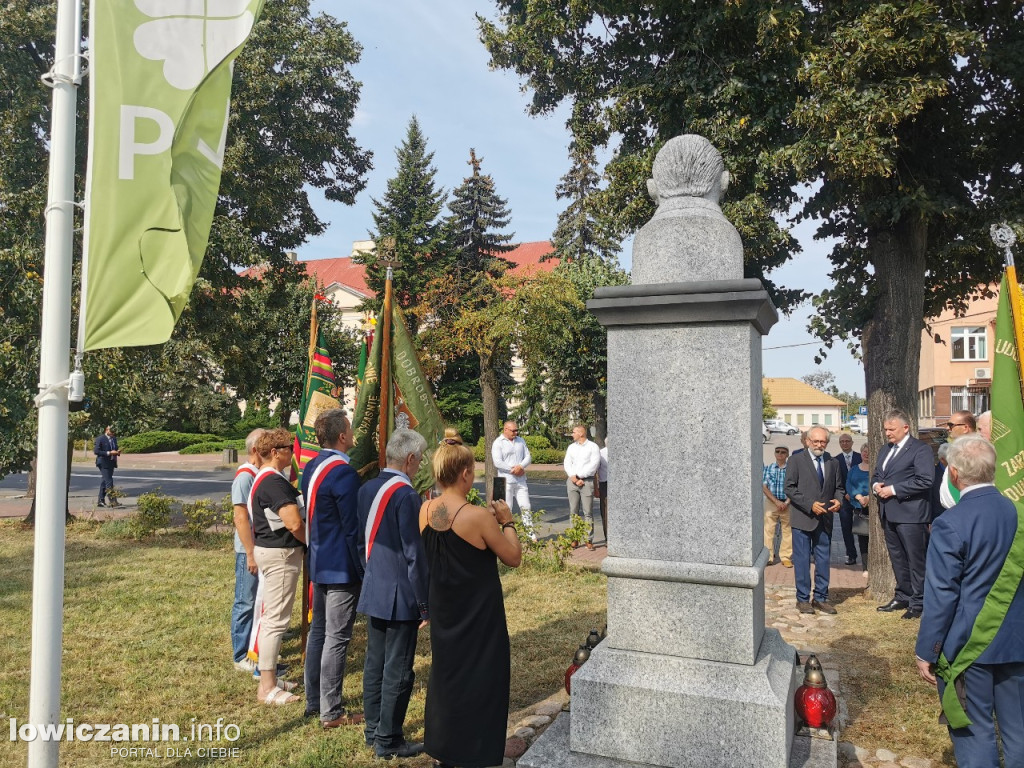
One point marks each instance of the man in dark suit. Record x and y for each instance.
(969, 545)
(846, 458)
(904, 475)
(394, 596)
(106, 450)
(815, 493)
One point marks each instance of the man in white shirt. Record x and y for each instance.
(582, 459)
(511, 457)
(602, 488)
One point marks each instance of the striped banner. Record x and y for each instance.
(320, 394)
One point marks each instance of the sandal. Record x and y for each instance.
(278, 696)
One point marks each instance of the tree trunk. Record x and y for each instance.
(600, 417)
(892, 350)
(68, 517)
(31, 491)
(489, 392)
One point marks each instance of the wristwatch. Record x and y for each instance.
(509, 524)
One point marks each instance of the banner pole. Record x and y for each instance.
(54, 368)
(383, 422)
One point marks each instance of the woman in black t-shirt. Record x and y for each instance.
(278, 527)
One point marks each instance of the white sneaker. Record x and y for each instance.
(533, 537)
(246, 665)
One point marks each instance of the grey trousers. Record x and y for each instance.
(340, 613)
(584, 496)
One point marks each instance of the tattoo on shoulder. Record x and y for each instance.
(439, 517)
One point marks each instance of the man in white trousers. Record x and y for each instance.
(511, 457)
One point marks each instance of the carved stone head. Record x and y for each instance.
(688, 166)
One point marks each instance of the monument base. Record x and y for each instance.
(631, 708)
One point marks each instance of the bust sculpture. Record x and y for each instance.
(688, 238)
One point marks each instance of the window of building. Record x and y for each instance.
(788, 418)
(968, 343)
(828, 419)
(815, 419)
(973, 399)
(799, 420)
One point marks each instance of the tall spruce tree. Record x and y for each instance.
(587, 249)
(477, 216)
(410, 212)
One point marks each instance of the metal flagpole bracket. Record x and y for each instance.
(51, 78)
(57, 205)
(1004, 237)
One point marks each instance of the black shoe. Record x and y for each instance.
(912, 613)
(100, 504)
(851, 560)
(405, 749)
(894, 605)
(311, 713)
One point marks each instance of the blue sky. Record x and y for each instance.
(424, 58)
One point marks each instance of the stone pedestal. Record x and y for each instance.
(688, 675)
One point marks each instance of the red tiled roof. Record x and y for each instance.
(342, 270)
(526, 258)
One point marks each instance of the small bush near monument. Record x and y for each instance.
(200, 515)
(153, 513)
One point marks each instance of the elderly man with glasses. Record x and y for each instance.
(776, 509)
(960, 423)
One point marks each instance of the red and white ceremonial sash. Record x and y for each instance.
(257, 619)
(260, 477)
(319, 475)
(377, 507)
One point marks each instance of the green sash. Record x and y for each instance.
(997, 603)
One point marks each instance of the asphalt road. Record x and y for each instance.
(189, 485)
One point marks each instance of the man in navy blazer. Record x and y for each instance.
(815, 494)
(394, 595)
(846, 458)
(106, 450)
(969, 545)
(904, 475)
(330, 486)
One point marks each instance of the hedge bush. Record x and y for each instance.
(540, 450)
(155, 442)
(215, 446)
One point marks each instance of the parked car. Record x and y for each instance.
(765, 433)
(934, 437)
(778, 425)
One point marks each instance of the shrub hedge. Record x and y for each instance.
(540, 450)
(155, 442)
(215, 446)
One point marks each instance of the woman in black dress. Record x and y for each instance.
(467, 694)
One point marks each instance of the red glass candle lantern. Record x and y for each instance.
(815, 704)
(578, 659)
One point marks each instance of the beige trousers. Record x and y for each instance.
(772, 515)
(280, 567)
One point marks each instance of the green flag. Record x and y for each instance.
(1007, 405)
(410, 402)
(1008, 440)
(160, 88)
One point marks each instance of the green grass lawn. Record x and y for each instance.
(146, 636)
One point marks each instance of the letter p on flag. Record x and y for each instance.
(160, 91)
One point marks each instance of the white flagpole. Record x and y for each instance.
(55, 343)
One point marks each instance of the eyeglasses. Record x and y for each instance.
(284, 447)
(782, 451)
(514, 431)
(952, 424)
